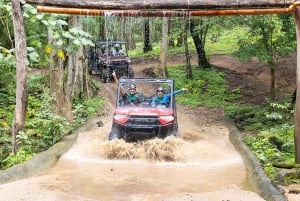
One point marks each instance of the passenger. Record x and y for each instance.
(117, 51)
(162, 98)
(103, 50)
(130, 97)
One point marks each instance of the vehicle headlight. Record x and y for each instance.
(120, 118)
(166, 119)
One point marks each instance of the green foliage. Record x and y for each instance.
(38, 84)
(267, 37)
(68, 40)
(5, 143)
(228, 38)
(94, 86)
(218, 42)
(292, 179)
(257, 118)
(82, 109)
(273, 145)
(208, 87)
(275, 139)
(21, 156)
(43, 128)
(42, 124)
(138, 52)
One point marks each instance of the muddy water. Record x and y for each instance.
(199, 165)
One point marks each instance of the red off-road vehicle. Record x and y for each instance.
(143, 121)
(103, 61)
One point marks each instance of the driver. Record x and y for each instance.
(162, 98)
(117, 51)
(130, 96)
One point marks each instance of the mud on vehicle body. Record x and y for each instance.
(102, 60)
(133, 123)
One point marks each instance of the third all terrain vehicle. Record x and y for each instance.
(145, 120)
(103, 59)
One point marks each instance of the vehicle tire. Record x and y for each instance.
(114, 133)
(174, 131)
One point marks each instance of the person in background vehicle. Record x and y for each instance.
(103, 50)
(162, 98)
(117, 51)
(130, 97)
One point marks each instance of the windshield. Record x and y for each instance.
(145, 93)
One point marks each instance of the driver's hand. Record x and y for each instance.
(113, 73)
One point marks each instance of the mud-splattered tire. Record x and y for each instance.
(174, 132)
(114, 134)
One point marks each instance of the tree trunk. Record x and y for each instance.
(21, 56)
(180, 38)
(297, 105)
(74, 84)
(199, 44)
(147, 44)
(86, 90)
(272, 88)
(128, 35)
(162, 68)
(102, 30)
(171, 41)
(56, 79)
(188, 68)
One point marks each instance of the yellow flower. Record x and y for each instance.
(5, 51)
(61, 54)
(48, 49)
(3, 124)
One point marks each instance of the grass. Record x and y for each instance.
(229, 38)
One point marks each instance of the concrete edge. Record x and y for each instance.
(256, 176)
(39, 162)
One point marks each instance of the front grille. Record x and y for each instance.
(142, 121)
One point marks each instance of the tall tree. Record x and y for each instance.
(188, 67)
(21, 56)
(128, 34)
(74, 83)
(297, 105)
(75, 65)
(147, 43)
(56, 78)
(162, 65)
(198, 29)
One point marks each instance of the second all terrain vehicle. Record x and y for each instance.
(103, 59)
(144, 121)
